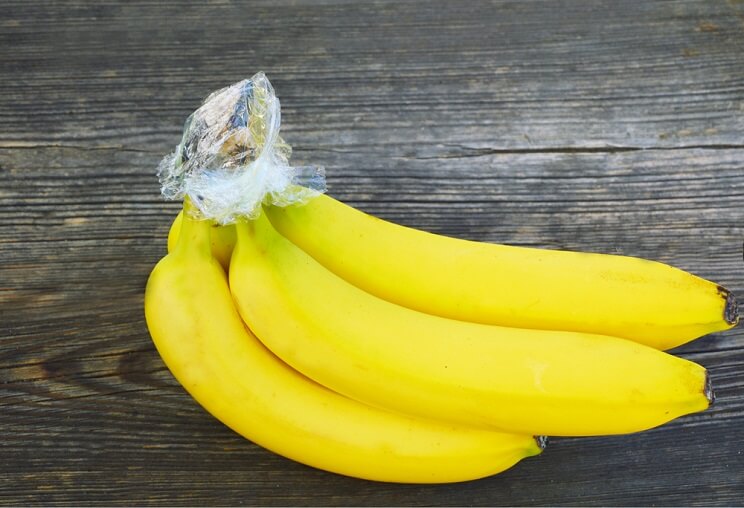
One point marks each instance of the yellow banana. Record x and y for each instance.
(645, 301)
(199, 334)
(222, 240)
(516, 380)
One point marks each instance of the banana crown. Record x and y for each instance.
(231, 158)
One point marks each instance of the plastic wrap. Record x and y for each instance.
(231, 158)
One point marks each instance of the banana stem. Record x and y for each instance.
(194, 238)
(242, 231)
(249, 230)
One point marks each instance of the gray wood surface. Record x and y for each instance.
(601, 126)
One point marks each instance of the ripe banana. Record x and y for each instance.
(516, 380)
(222, 240)
(645, 301)
(198, 332)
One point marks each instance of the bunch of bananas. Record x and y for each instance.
(381, 352)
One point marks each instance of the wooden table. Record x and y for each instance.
(600, 126)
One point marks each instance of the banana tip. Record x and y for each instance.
(542, 442)
(731, 309)
(708, 390)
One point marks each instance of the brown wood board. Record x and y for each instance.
(600, 126)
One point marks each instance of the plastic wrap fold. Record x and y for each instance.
(231, 158)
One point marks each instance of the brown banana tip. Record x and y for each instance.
(542, 442)
(708, 390)
(731, 309)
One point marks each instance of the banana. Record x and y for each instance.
(515, 380)
(644, 301)
(199, 334)
(222, 240)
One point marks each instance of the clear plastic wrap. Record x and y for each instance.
(231, 158)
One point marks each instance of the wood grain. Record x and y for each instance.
(599, 126)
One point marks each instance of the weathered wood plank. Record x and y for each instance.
(599, 126)
(86, 396)
(509, 75)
